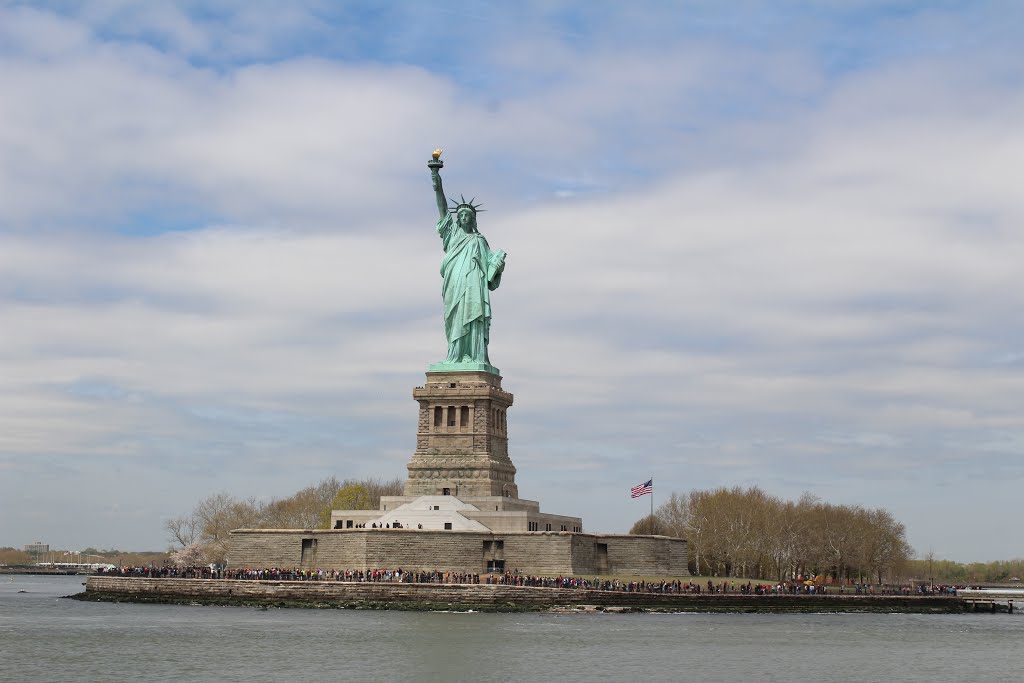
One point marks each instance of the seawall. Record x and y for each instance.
(482, 597)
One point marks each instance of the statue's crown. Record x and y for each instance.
(463, 204)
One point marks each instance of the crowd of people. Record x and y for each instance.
(907, 589)
(518, 579)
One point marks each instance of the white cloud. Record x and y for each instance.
(818, 296)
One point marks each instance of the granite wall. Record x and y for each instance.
(482, 596)
(534, 553)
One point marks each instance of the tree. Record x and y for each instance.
(214, 517)
(184, 530)
(674, 516)
(885, 549)
(379, 488)
(646, 526)
(948, 571)
(698, 525)
(218, 514)
(13, 556)
(191, 555)
(746, 532)
(303, 510)
(352, 497)
(838, 529)
(363, 494)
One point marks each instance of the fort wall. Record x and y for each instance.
(472, 552)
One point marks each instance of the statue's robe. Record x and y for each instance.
(470, 271)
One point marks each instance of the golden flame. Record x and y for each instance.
(436, 154)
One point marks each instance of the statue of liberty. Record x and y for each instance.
(471, 271)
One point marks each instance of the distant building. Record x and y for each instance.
(37, 549)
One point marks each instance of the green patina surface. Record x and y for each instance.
(470, 271)
(445, 366)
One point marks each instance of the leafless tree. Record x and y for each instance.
(746, 532)
(183, 531)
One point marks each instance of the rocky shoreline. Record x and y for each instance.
(482, 597)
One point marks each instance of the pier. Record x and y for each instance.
(989, 599)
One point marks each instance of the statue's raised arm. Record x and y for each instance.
(435, 164)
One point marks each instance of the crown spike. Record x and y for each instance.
(461, 203)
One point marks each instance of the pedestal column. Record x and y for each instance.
(462, 437)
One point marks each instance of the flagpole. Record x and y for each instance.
(652, 505)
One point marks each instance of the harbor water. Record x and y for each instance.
(46, 638)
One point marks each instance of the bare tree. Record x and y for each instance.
(746, 532)
(302, 510)
(183, 531)
(218, 514)
(674, 516)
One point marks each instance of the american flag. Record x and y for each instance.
(642, 489)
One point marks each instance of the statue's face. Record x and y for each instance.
(466, 220)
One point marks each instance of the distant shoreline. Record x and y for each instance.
(483, 597)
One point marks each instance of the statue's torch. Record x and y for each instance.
(435, 165)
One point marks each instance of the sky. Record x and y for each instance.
(770, 244)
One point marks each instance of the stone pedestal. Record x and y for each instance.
(462, 438)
